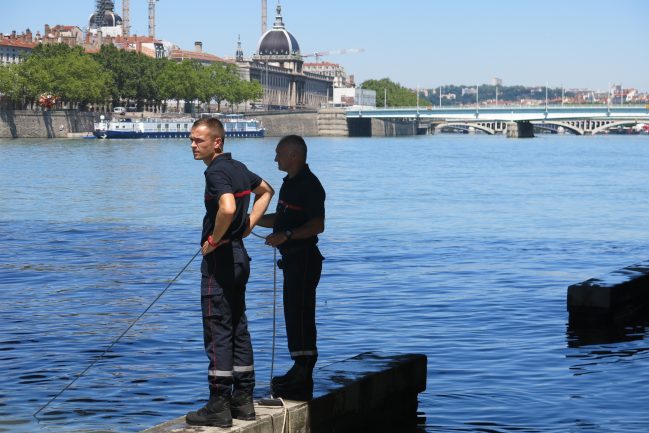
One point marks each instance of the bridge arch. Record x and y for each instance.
(465, 126)
(567, 125)
(613, 125)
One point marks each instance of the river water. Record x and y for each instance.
(456, 246)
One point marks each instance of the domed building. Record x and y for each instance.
(110, 24)
(278, 41)
(277, 65)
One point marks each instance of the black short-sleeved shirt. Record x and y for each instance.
(226, 175)
(301, 198)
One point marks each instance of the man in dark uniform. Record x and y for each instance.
(224, 273)
(298, 220)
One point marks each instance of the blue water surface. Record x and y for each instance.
(460, 247)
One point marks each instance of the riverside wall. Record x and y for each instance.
(332, 122)
(45, 124)
(326, 122)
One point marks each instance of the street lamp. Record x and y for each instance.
(360, 96)
(546, 96)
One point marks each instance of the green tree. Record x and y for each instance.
(251, 90)
(180, 81)
(150, 70)
(397, 95)
(126, 68)
(223, 80)
(67, 73)
(12, 83)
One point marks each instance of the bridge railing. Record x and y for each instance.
(506, 113)
(501, 107)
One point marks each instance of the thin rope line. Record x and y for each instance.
(272, 358)
(118, 338)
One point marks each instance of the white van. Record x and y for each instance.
(119, 110)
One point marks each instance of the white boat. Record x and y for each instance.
(238, 126)
(235, 126)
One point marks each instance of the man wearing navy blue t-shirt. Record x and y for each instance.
(297, 222)
(224, 273)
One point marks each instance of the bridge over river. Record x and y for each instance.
(515, 121)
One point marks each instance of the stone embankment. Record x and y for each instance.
(45, 124)
(326, 122)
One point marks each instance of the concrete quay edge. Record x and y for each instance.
(368, 392)
(611, 297)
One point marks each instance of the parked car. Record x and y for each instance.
(119, 110)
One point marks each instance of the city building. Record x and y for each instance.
(328, 69)
(198, 55)
(14, 48)
(146, 45)
(279, 67)
(353, 97)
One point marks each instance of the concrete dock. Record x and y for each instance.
(370, 392)
(612, 298)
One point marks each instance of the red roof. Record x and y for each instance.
(135, 38)
(195, 55)
(16, 43)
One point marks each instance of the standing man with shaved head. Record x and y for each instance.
(297, 222)
(224, 273)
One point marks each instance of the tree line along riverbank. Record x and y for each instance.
(59, 76)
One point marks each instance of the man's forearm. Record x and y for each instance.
(267, 220)
(311, 228)
(259, 207)
(221, 224)
(224, 216)
(263, 194)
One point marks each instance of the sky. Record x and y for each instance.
(416, 43)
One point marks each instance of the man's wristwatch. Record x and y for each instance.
(288, 234)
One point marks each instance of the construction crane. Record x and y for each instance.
(263, 17)
(126, 17)
(333, 52)
(152, 18)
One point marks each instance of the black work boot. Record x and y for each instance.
(215, 413)
(282, 379)
(299, 384)
(301, 362)
(298, 387)
(242, 406)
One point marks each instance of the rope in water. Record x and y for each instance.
(114, 342)
(118, 338)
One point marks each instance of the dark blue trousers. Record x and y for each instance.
(228, 346)
(301, 268)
